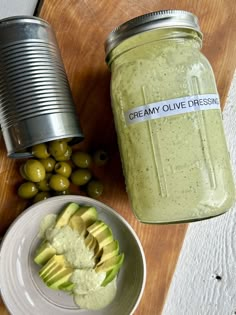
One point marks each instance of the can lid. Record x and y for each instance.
(150, 21)
(22, 19)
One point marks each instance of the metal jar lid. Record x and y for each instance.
(150, 21)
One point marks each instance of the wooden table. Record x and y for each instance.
(81, 28)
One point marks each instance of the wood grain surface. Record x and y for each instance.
(81, 27)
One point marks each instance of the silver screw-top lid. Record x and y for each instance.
(150, 21)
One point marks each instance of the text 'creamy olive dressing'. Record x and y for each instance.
(88, 292)
(168, 120)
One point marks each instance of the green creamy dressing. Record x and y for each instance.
(71, 245)
(87, 280)
(97, 299)
(176, 168)
(47, 222)
(88, 292)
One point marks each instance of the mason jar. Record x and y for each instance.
(168, 119)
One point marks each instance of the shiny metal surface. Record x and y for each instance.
(36, 104)
(150, 21)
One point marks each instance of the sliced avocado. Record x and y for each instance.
(89, 240)
(51, 272)
(44, 253)
(66, 214)
(68, 286)
(56, 272)
(55, 285)
(94, 245)
(109, 251)
(48, 267)
(54, 262)
(96, 227)
(104, 238)
(111, 274)
(109, 264)
(88, 214)
(97, 253)
(60, 275)
(77, 224)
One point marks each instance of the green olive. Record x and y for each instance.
(48, 164)
(43, 185)
(66, 156)
(57, 147)
(59, 182)
(40, 151)
(81, 159)
(100, 157)
(41, 196)
(34, 170)
(81, 177)
(27, 190)
(22, 172)
(63, 168)
(62, 193)
(94, 189)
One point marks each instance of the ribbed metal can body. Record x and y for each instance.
(36, 104)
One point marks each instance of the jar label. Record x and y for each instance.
(177, 106)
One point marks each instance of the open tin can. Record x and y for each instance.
(36, 104)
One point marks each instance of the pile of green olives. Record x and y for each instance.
(54, 167)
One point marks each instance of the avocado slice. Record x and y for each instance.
(44, 253)
(60, 275)
(88, 214)
(56, 284)
(54, 262)
(48, 267)
(94, 245)
(68, 286)
(77, 224)
(66, 214)
(104, 238)
(110, 250)
(89, 240)
(112, 274)
(56, 272)
(51, 272)
(96, 227)
(109, 264)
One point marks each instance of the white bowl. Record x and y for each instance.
(24, 293)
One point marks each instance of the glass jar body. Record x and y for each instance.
(176, 167)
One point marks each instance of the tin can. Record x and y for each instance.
(36, 104)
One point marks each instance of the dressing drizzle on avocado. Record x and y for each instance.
(87, 284)
(72, 246)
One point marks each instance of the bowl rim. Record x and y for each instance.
(93, 202)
